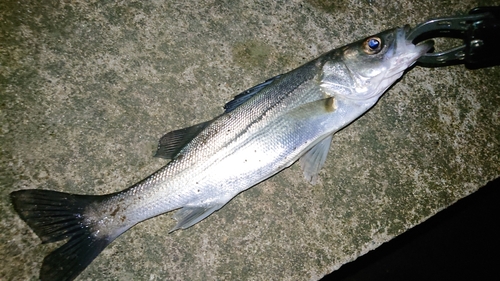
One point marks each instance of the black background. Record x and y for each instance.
(459, 243)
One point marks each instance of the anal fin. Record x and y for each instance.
(189, 216)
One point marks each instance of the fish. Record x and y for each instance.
(289, 118)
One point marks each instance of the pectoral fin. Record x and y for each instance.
(189, 216)
(314, 159)
(173, 142)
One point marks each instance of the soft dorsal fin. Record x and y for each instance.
(246, 95)
(314, 159)
(173, 142)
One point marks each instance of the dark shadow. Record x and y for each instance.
(459, 243)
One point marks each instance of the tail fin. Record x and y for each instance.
(56, 216)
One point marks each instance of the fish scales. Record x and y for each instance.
(226, 136)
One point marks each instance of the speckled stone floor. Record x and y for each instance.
(88, 87)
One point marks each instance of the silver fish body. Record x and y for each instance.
(263, 130)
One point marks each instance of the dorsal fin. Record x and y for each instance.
(246, 95)
(173, 142)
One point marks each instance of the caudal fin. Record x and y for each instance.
(56, 216)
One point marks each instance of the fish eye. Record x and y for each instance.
(372, 45)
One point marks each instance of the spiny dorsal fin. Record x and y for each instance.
(246, 95)
(173, 142)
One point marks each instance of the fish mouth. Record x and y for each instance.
(412, 51)
(420, 48)
(407, 53)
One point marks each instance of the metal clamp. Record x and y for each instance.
(479, 30)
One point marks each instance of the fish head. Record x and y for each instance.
(367, 68)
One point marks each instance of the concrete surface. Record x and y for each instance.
(88, 87)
